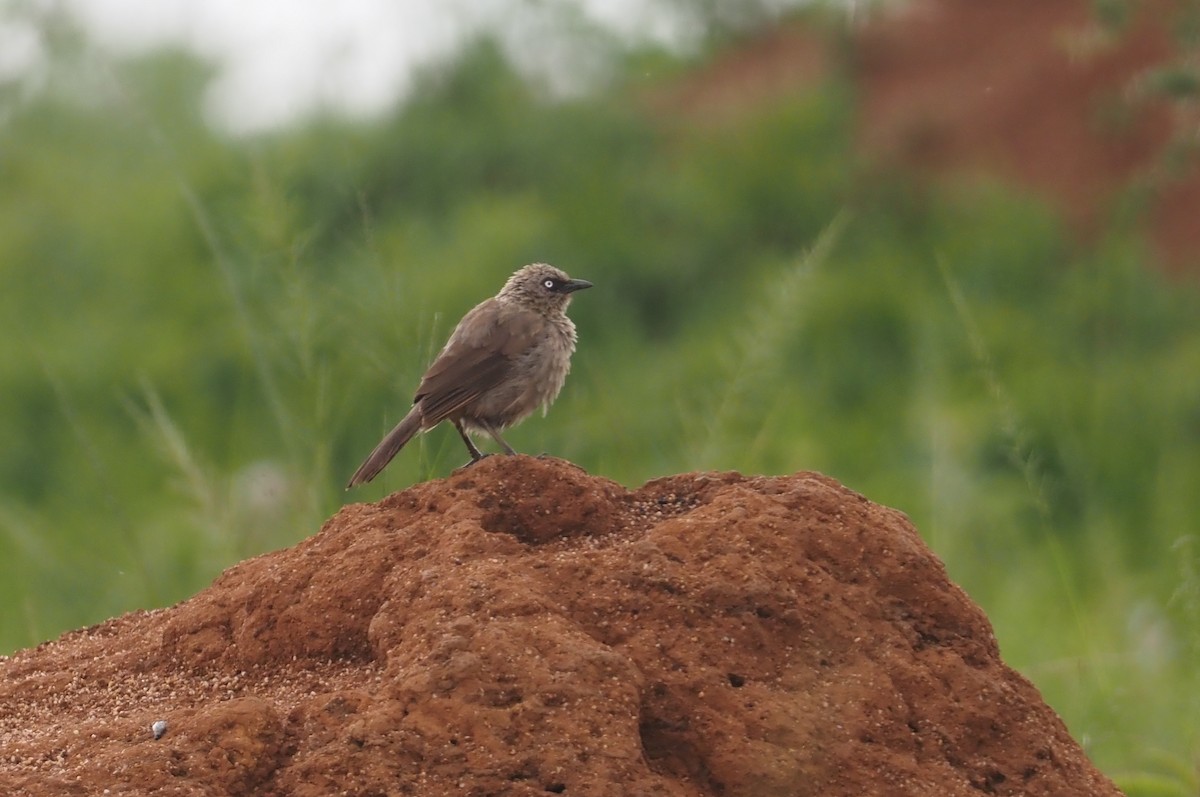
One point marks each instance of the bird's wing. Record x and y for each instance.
(478, 356)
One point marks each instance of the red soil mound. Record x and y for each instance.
(1045, 96)
(1040, 95)
(522, 628)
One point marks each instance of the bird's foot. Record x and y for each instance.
(471, 462)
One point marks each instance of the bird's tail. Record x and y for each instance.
(388, 447)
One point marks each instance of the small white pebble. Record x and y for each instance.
(159, 728)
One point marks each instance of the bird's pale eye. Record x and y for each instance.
(548, 284)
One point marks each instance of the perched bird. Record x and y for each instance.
(507, 357)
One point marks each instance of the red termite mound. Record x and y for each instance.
(523, 628)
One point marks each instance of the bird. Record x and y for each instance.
(507, 357)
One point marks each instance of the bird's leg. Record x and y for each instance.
(496, 436)
(475, 454)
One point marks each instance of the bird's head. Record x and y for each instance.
(541, 285)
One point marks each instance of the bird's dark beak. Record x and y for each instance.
(570, 286)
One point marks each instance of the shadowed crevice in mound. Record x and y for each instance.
(524, 628)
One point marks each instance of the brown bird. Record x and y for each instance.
(507, 357)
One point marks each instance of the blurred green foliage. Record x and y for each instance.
(203, 337)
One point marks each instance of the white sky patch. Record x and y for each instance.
(20, 50)
(278, 60)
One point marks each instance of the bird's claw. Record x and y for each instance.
(473, 460)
